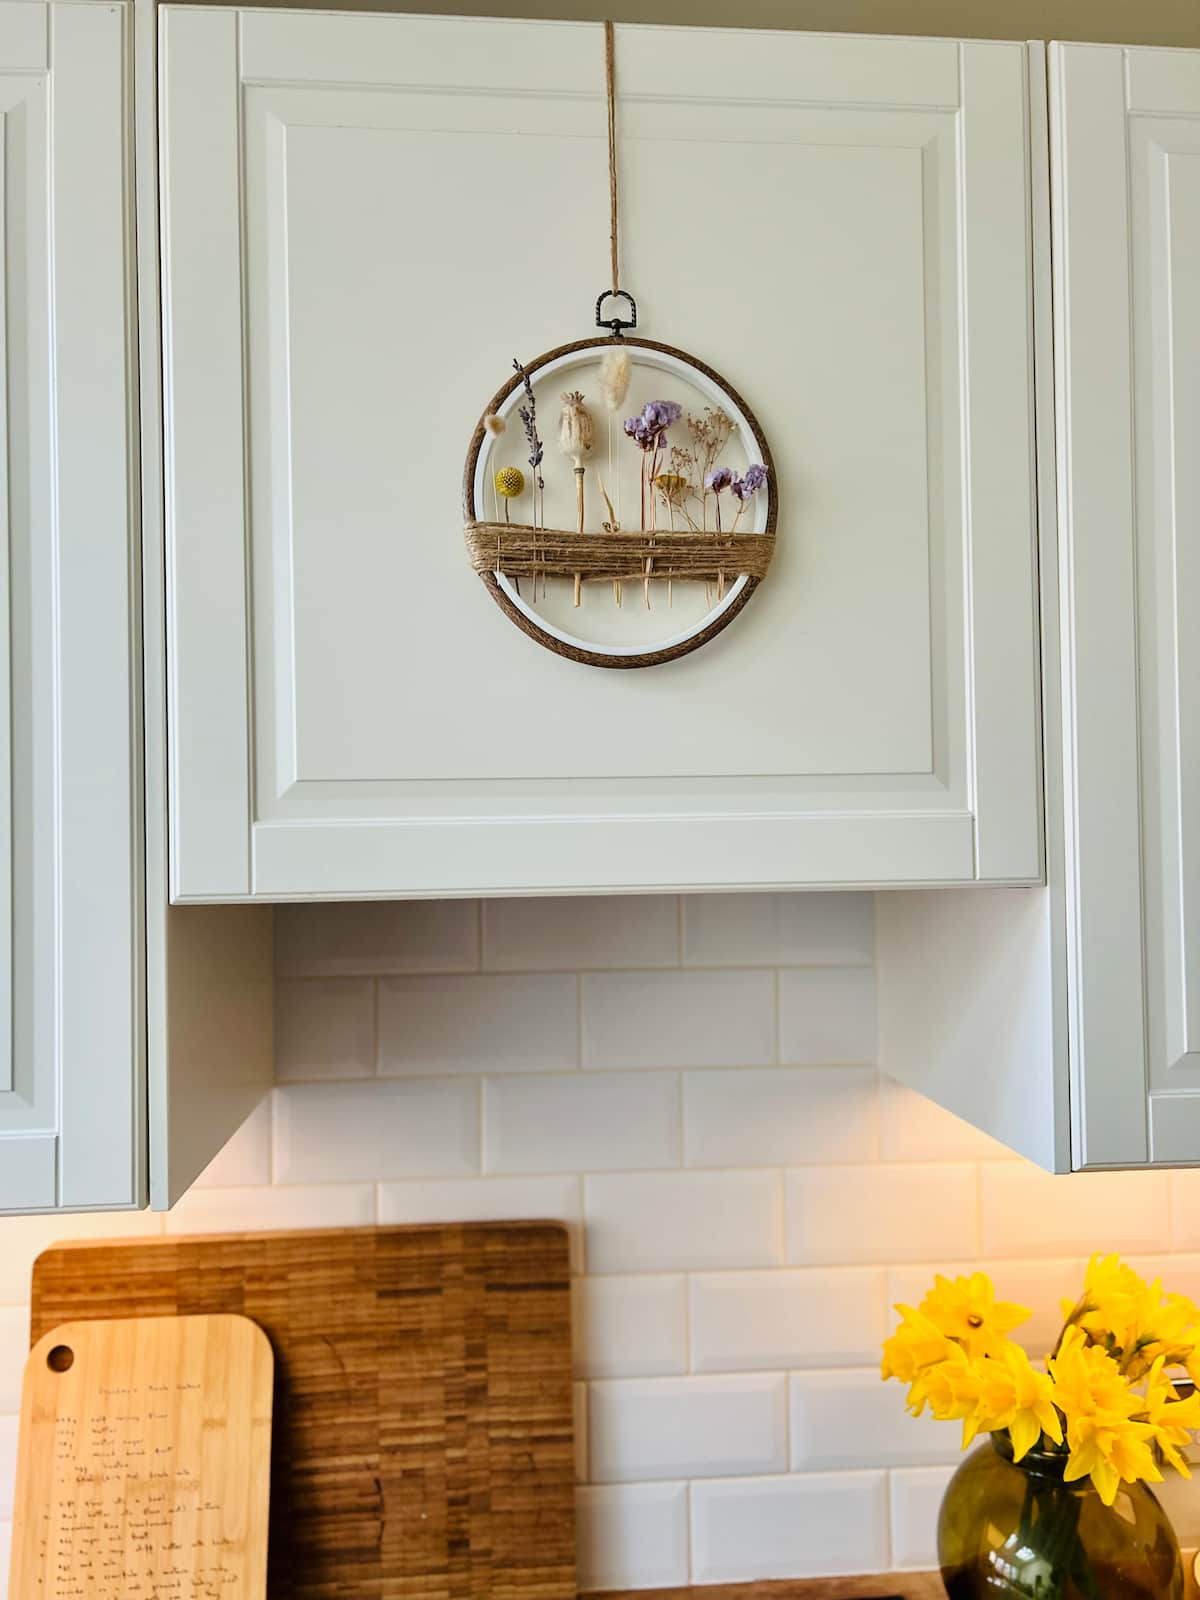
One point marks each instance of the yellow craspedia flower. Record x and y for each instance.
(510, 482)
(966, 1309)
(1012, 1395)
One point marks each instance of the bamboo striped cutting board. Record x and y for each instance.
(423, 1445)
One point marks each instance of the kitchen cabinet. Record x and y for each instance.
(72, 1026)
(132, 1042)
(1068, 1020)
(364, 218)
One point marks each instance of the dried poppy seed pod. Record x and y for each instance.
(575, 431)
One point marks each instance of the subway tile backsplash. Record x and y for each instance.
(690, 1085)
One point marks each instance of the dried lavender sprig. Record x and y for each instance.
(528, 416)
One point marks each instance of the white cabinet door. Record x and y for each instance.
(71, 1004)
(364, 219)
(1125, 131)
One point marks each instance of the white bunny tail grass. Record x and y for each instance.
(616, 367)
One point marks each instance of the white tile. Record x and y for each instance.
(336, 1205)
(570, 934)
(678, 1019)
(590, 1121)
(827, 1014)
(675, 1221)
(632, 1536)
(8, 1466)
(1027, 1211)
(1180, 1274)
(916, 1494)
(1040, 1286)
(324, 1028)
(778, 930)
(246, 1159)
(854, 1419)
(818, 1317)
(918, 1129)
(479, 1024)
(881, 1214)
(383, 936)
(579, 1407)
(1185, 1209)
(774, 1116)
(488, 1200)
(14, 1347)
(643, 1429)
(804, 1527)
(22, 1240)
(1180, 1499)
(632, 1327)
(341, 1132)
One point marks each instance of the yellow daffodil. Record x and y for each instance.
(916, 1343)
(950, 1387)
(1087, 1381)
(1171, 1418)
(1110, 1450)
(1170, 1331)
(1013, 1395)
(967, 1310)
(1107, 1401)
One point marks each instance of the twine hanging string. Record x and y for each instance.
(610, 87)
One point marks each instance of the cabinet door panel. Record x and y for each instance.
(1127, 173)
(71, 1058)
(839, 225)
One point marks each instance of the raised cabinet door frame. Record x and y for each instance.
(237, 834)
(1125, 145)
(72, 1056)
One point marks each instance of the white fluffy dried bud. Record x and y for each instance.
(616, 368)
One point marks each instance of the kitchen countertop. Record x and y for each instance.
(905, 1585)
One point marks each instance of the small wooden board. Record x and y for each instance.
(143, 1467)
(423, 1420)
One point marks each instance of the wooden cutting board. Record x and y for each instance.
(143, 1463)
(423, 1422)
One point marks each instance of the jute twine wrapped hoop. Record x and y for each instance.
(519, 551)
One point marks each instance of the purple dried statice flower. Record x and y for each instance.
(635, 428)
(660, 414)
(749, 483)
(648, 430)
(719, 478)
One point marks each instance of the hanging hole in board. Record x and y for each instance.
(61, 1358)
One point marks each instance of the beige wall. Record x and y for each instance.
(1167, 22)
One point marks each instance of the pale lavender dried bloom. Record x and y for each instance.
(648, 429)
(719, 478)
(660, 414)
(749, 483)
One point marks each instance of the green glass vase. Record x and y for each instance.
(1016, 1529)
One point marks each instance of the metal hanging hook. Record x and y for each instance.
(616, 325)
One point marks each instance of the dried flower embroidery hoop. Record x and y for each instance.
(744, 556)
